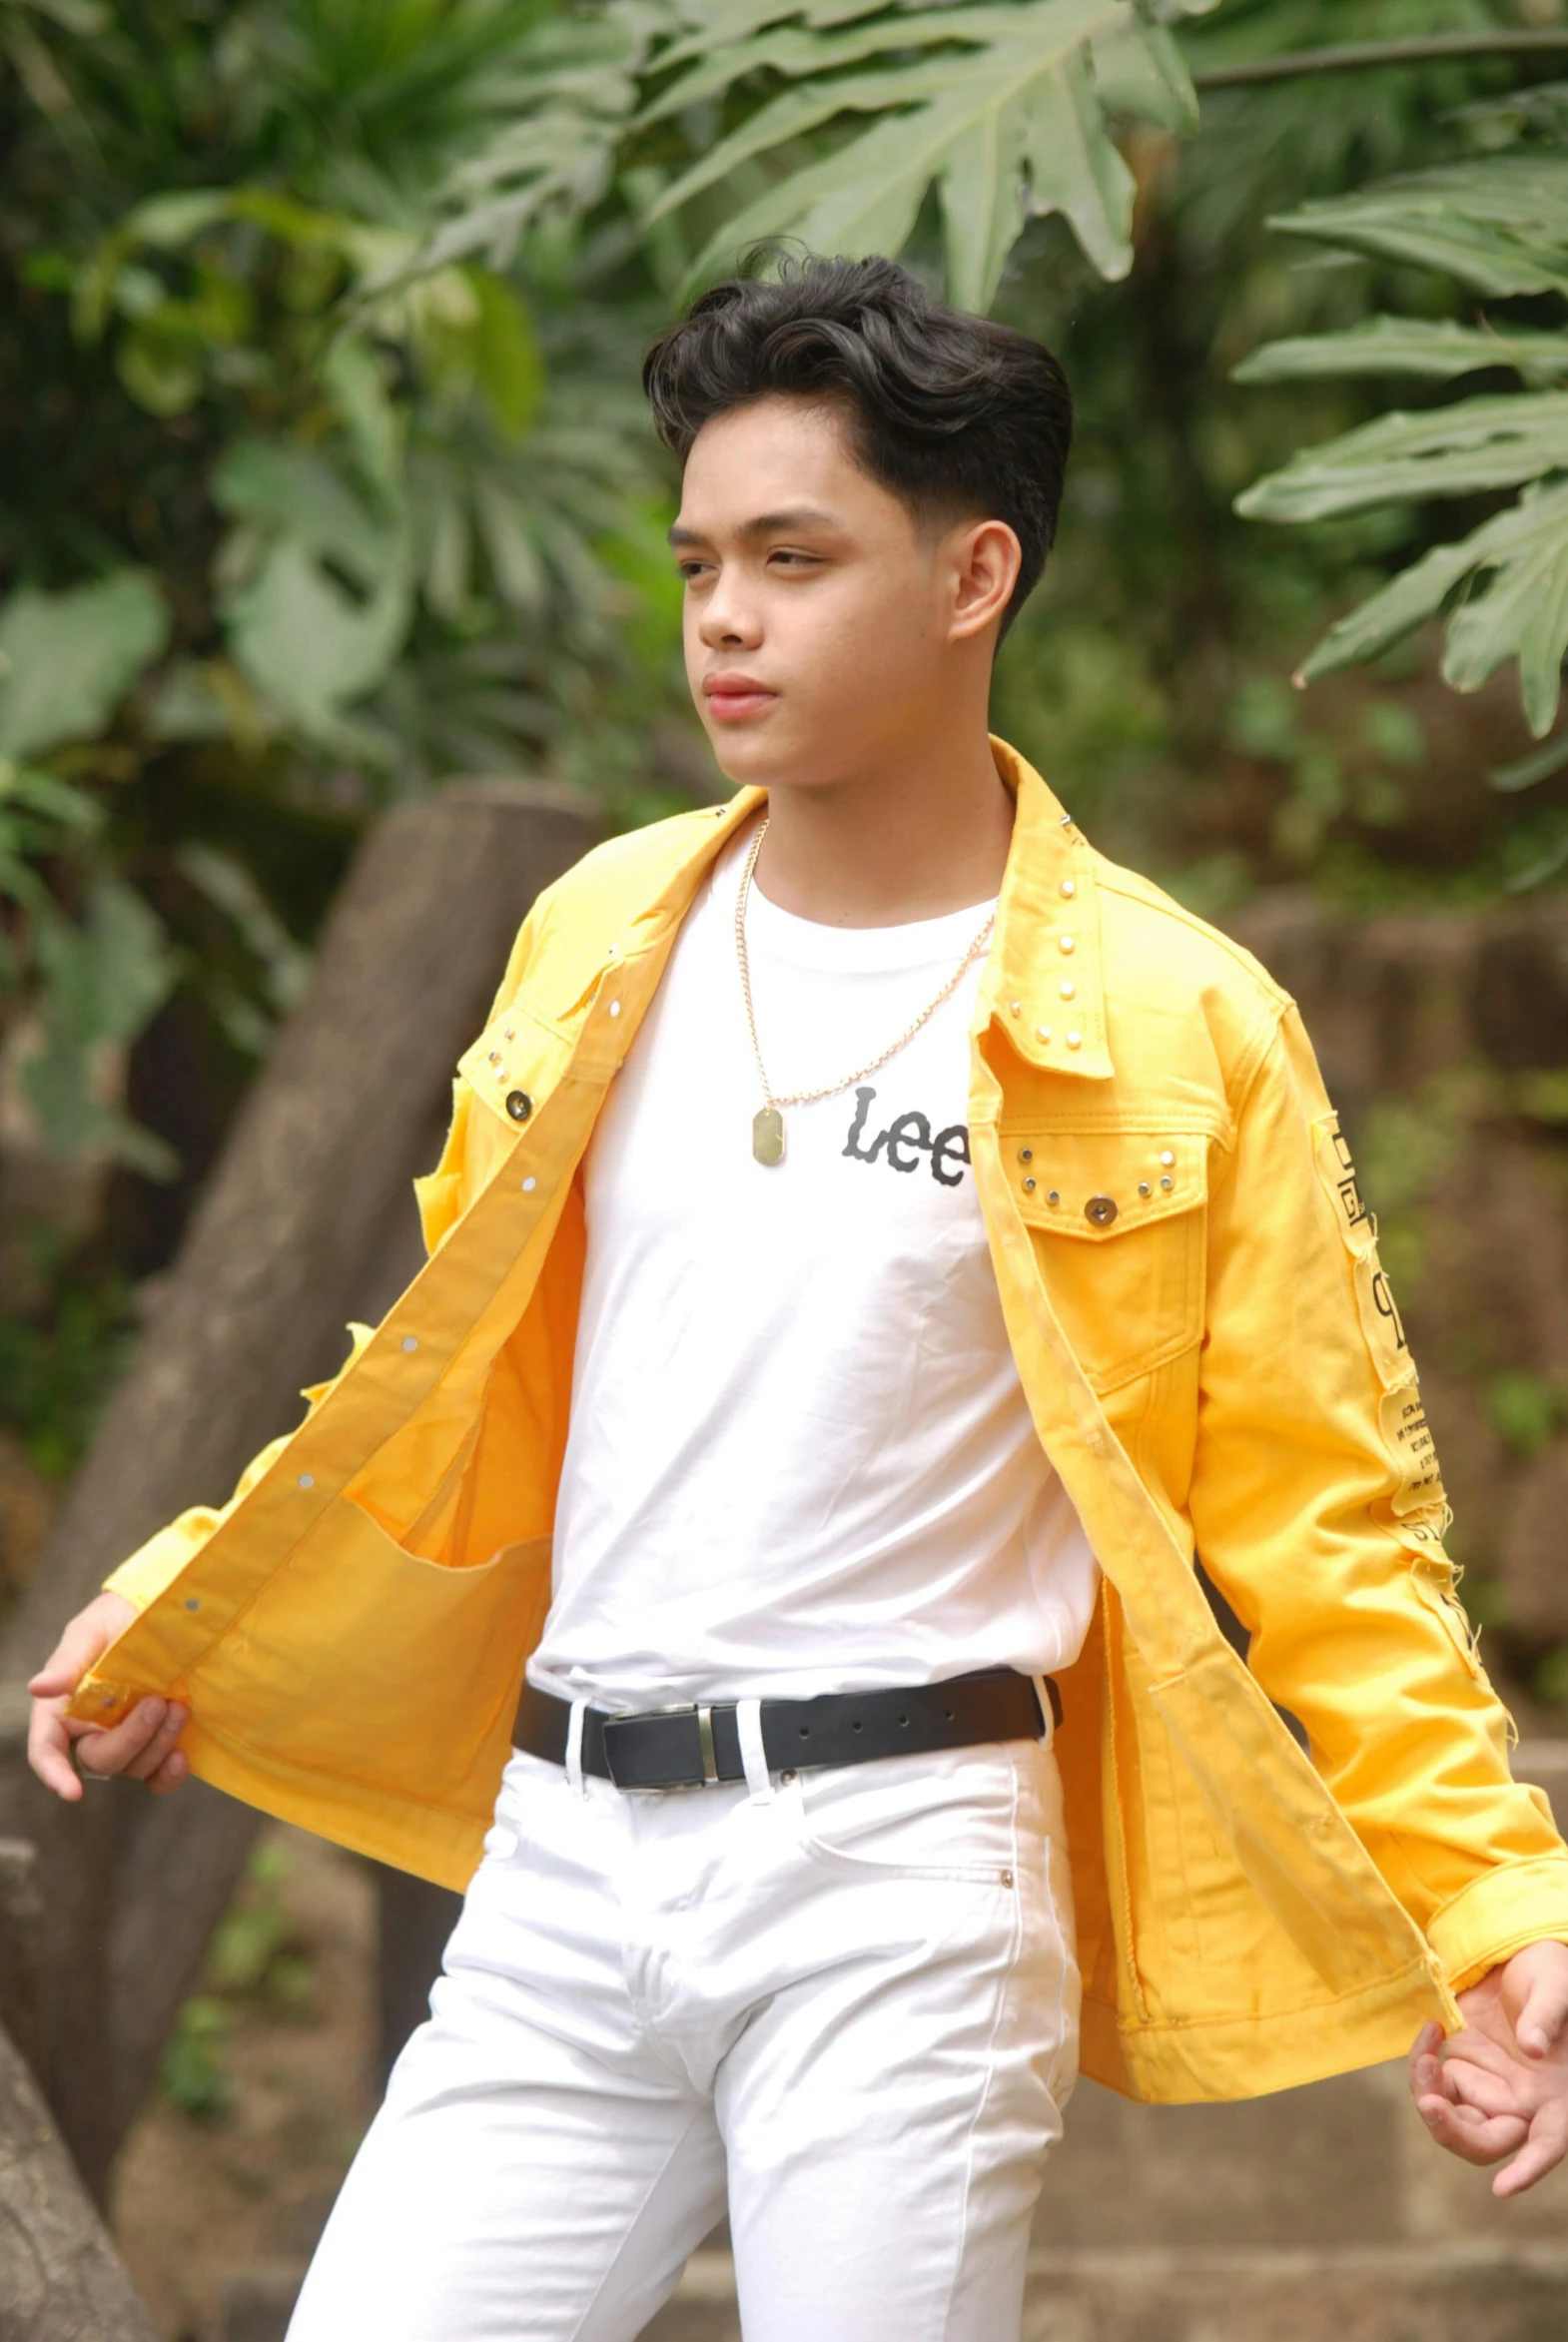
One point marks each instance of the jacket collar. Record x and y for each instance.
(1043, 984)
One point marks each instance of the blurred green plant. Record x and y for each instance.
(253, 1960)
(1495, 225)
(1526, 1410)
(274, 547)
(1549, 1681)
(60, 1354)
(1402, 1147)
(832, 122)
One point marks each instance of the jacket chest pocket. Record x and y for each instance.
(1117, 1219)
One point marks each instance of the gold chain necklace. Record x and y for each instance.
(767, 1126)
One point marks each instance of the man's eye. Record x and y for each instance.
(796, 560)
(690, 569)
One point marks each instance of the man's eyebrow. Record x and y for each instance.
(764, 524)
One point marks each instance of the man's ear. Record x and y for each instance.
(986, 557)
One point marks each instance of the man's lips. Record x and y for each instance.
(731, 698)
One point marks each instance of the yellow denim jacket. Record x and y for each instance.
(1214, 1363)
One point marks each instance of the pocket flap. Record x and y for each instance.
(1100, 1185)
(514, 1063)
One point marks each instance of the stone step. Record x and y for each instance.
(1476, 2292)
(1437, 2292)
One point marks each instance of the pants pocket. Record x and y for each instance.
(951, 1815)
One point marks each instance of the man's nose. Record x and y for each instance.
(726, 621)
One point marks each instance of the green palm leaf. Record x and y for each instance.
(1403, 458)
(1004, 109)
(1435, 348)
(1521, 613)
(1500, 227)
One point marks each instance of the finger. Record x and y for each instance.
(1472, 2048)
(1429, 2078)
(1422, 2067)
(114, 1745)
(1425, 2046)
(143, 1766)
(1466, 2132)
(1493, 2094)
(1542, 2152)
(173, 1768)
(1541, 2019)
(49, 1755)
(66, 1664)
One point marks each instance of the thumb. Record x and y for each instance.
(1545, 2010)
(66, 1663)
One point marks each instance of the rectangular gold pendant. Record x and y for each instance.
(767, 1135)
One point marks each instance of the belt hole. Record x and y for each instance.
(856, 1728)
(948, 1713)
(805, 1732)
(903, 1720)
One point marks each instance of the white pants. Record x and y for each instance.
(848, 1998)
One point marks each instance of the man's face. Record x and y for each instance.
(818, 607)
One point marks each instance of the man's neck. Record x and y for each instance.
(879, 849)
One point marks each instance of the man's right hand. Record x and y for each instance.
(143, 1745)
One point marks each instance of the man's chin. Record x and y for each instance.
(752, 762)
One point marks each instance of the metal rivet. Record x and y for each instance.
(1015, 1007)
(411, 1341)
(1102, 1209)
(307, 1479)
(108, 1700)
(1066, 943)
(193, 1602)
(1069, 990)
(520, 1106)
(1067, 821)
(1074, 1041)
(510, 1033)
(1007, 1878)
(1026, 1154)
(1029, 1185)
(1054, 1195)
(495, 1057)
(501, 1073)
(1041, 1033)
(530, 1184)
(1167, 1181)
(1143, 1188)
(1070, 888)
(614, 1008)
(1167, 1156)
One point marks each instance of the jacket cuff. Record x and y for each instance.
(152, 1566)
(1497, 1914)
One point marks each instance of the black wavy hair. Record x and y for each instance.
(955, 414)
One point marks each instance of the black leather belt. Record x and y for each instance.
(686, 1747)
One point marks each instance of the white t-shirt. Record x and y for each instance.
(799, 1457)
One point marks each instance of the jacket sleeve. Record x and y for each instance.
(442, 1197)
(1319, 1514)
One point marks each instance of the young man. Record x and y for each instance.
(879, 1245)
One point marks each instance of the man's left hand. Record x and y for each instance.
(1501, 2085)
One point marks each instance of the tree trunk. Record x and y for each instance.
(308, 1221)
(61, 2279)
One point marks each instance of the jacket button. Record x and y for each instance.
(1102, 1209)
(518, 1104)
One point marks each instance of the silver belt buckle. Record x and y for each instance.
(704, 1715)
